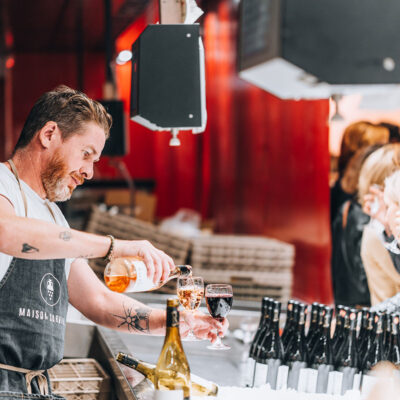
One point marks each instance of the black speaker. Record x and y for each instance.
(337, 41)
(116, 144)
(167, 78)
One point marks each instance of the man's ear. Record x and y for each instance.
(49, 134)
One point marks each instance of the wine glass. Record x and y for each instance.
(219, 298)
(190, 290)
(392, 246)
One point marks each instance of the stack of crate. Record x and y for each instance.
(80, 379)
(255, 266)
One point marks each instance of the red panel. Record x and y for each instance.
(261, 167)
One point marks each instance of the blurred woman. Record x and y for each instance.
(349, 280)
(355, 137)
(380, 264)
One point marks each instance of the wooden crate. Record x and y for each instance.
(80, 379)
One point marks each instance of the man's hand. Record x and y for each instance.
(203, 326)
(157, 262)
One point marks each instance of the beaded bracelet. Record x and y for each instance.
(110, 252)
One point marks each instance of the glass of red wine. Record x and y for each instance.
(219, 298)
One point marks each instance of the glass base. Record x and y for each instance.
(218, 346)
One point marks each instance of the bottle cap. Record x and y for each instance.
(172, 302)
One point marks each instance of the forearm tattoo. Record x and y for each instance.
(27, 248)
(66, 236)
(135, 319)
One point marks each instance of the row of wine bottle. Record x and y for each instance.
(355, 343)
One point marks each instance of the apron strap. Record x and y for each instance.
(14, 171)
(29, 375)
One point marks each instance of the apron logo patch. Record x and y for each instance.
(50, 289)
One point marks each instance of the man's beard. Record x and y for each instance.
(55, 179)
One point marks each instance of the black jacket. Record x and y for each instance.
(350, 286)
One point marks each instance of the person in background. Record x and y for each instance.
(348, 276)
(394, 131)
(43, 263)
(382, 266)
(356, 136)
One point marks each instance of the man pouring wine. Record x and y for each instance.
(43, 263)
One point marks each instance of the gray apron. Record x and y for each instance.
(33, 309)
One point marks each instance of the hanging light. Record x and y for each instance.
(336, 117)
(123, 57)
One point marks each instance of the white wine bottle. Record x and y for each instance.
(200, 387)
(172, 370)
(129, 274)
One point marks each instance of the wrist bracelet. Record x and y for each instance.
(110, 252)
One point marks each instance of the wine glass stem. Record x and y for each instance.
(218, 342)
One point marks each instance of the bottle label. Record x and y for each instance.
(142, 282)
(312, 377)
(294, 374)
(323, 376)
(335, 381)
(172, 317)
(168, 395)
(281, 380)
(272, 375)
(249, 372)
(303, 380)
(260, 375)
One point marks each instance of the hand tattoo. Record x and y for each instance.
(136, 322)
(66, 236)
(27, 248)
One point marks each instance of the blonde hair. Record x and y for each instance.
(392, 187)
(358, 135)
(377, 167)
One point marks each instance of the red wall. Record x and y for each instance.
(261, 167)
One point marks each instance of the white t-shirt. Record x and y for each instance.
(37, 209)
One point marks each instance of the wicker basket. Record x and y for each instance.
(80, 379)
(255, 266)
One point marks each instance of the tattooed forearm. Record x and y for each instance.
(66, 236)
(27, 248)
(135, 319)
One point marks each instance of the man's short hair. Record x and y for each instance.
(69, 108)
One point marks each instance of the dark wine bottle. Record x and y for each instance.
(343, 330)
(375, 353)
(263, 320)
(251, 363)
(322, 357)
(362, 334)
(339, 321)
(394, 349)
(294, 316)
(369, 339)
(265, 329)
(347, 360)
(296, 354)
(271, 352)
(319, 329)
(313, 322)
(387, 335)
(289, 320)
